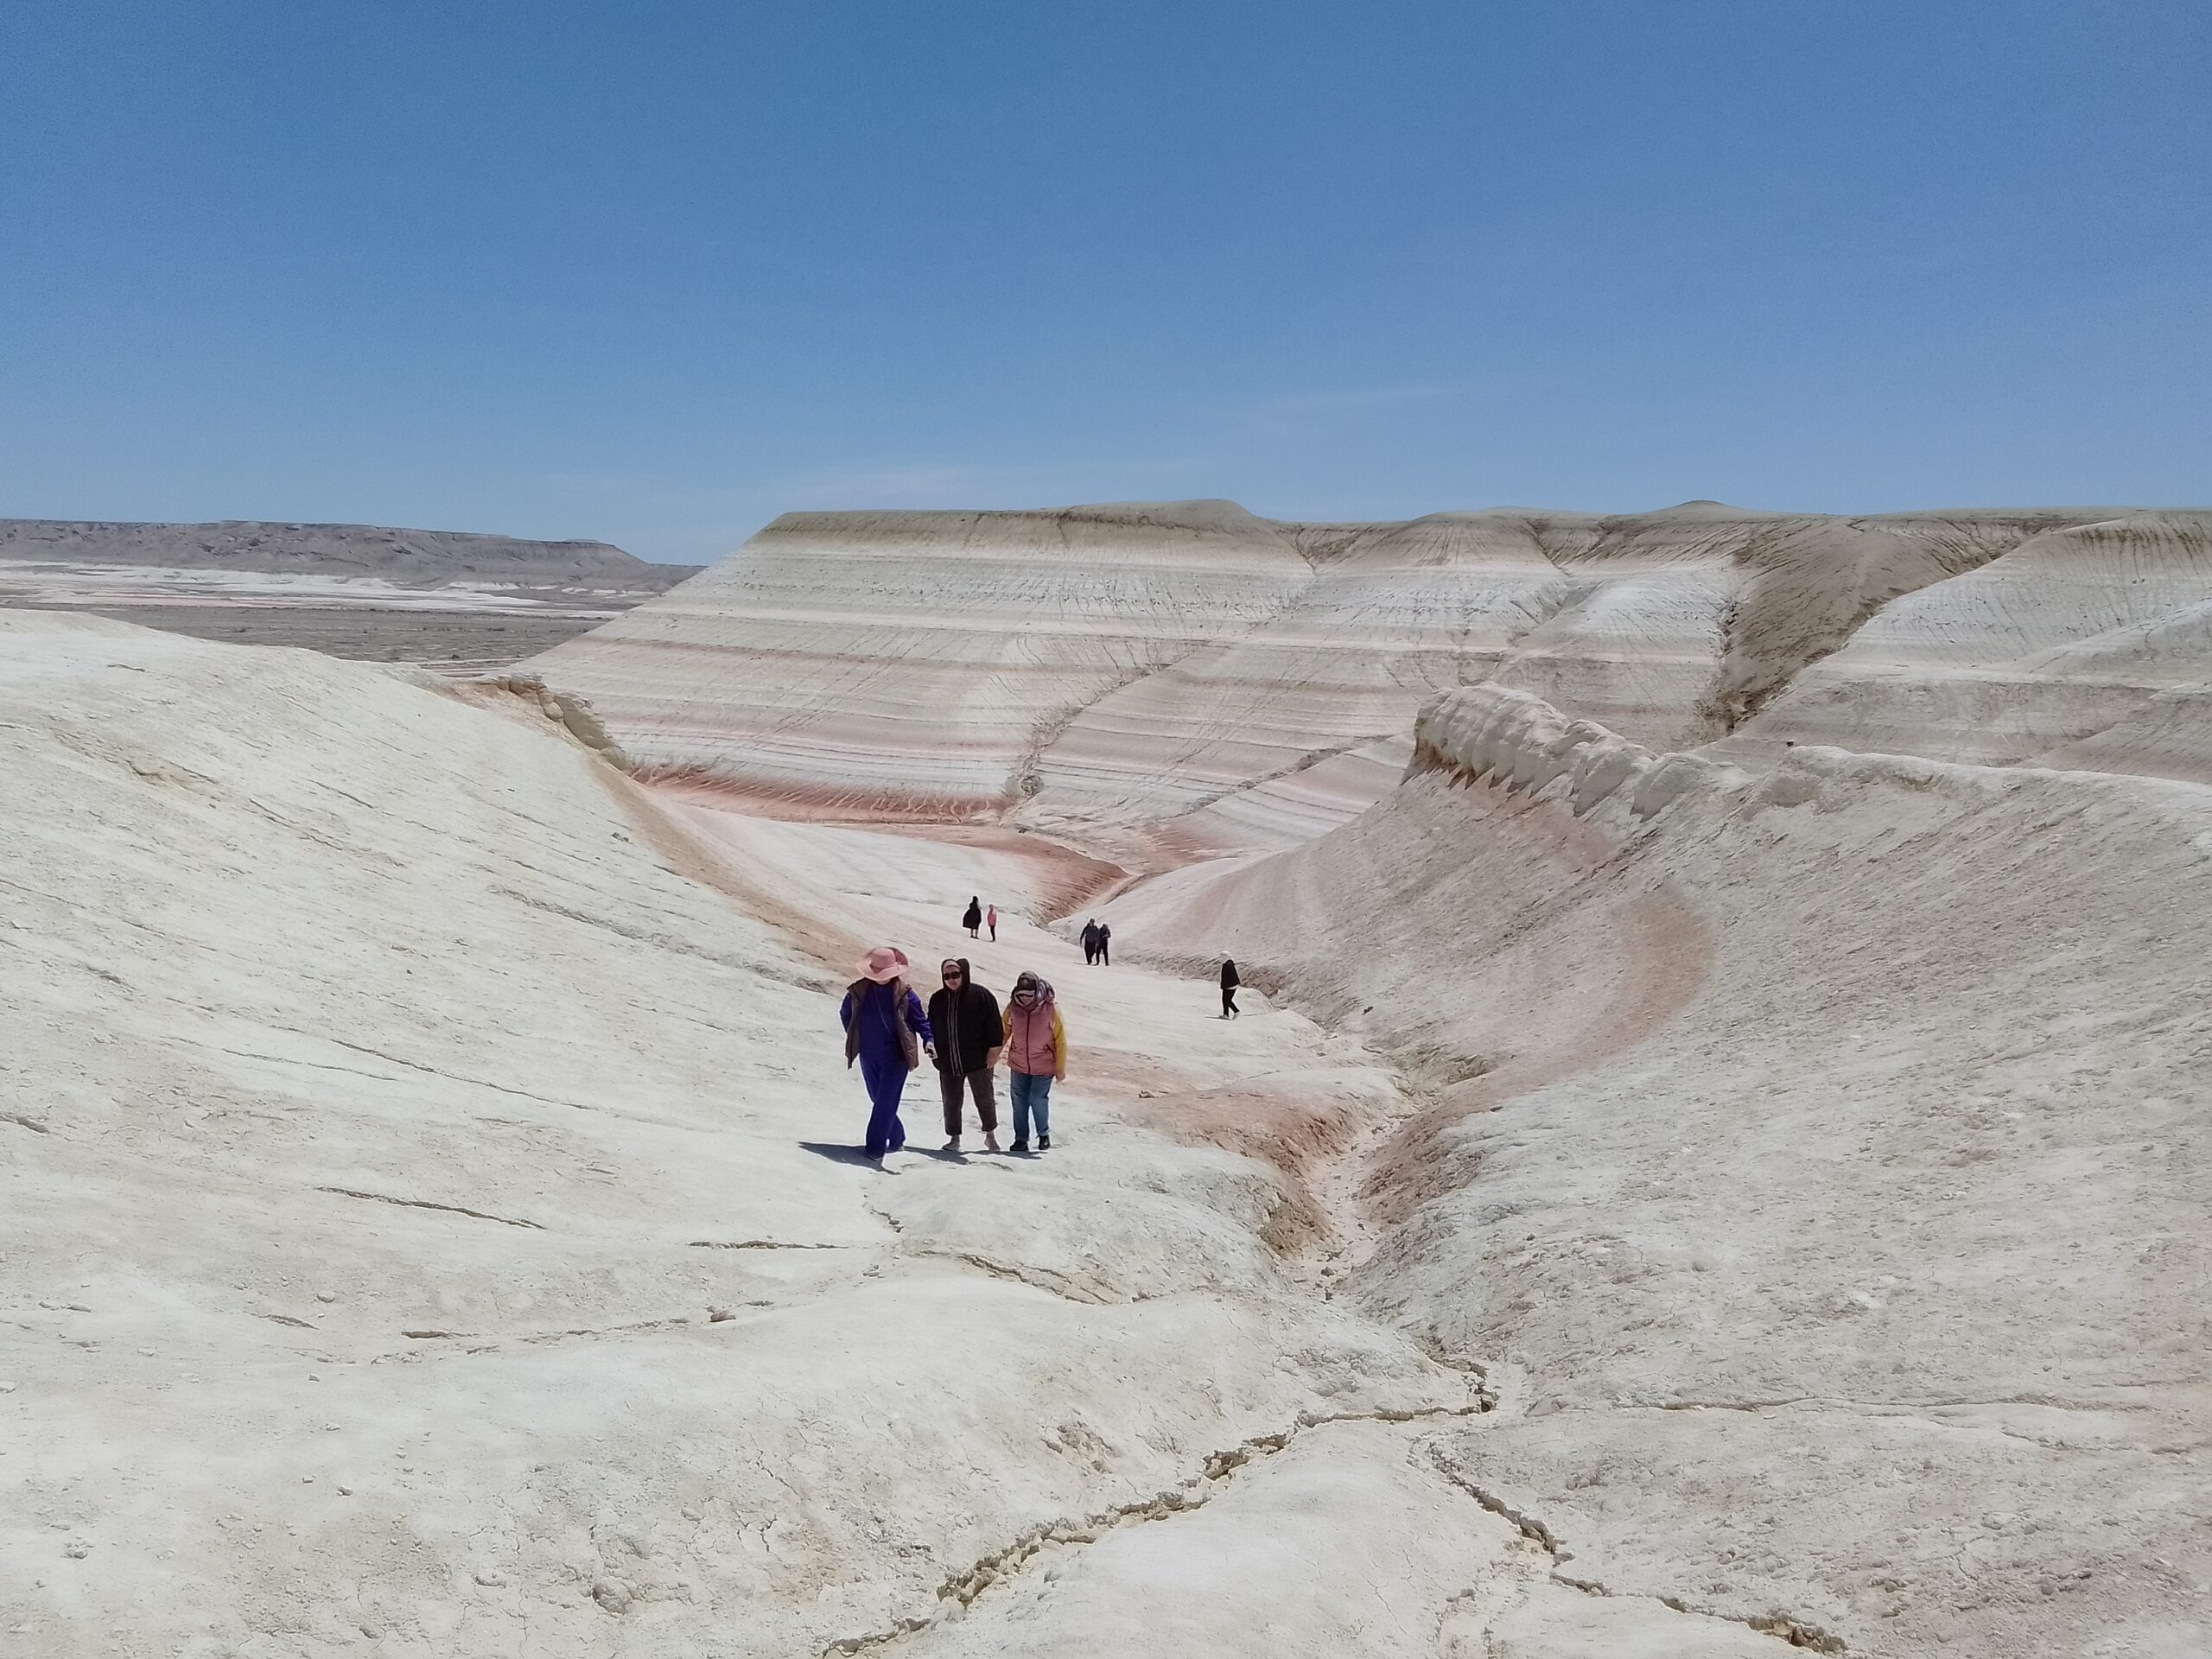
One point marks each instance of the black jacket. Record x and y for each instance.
(1228, 980)
(973, 917)
(964, 1044)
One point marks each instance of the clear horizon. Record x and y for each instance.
(653, 276)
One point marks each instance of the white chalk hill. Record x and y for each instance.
(1155, 678)
(395, 1098)
(1792, 1228)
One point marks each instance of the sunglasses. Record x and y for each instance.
(956, 974)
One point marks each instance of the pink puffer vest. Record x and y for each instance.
(1029, 1037)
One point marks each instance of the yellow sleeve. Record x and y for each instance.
(1059, 1044)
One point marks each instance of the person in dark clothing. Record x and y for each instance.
(1091, 941)
(1230, 981)
(969, 1034)
(1105, 946)
(974, 919)
(885, 1032)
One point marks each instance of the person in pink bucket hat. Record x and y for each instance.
(887, 1031)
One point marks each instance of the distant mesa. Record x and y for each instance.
(351, 549)
(461, 602)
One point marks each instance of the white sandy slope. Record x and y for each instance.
(394, 1095)
(1827, 1153)
(1157, 680)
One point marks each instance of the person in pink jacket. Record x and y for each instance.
(1036, 1056)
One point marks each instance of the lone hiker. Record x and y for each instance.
(1036, 1056)
(1091, 941)
(991, 921)
(884, 1029)
(1230, 981)
(974, 919)
(969, 1034)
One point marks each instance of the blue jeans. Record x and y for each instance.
(1032, 1096)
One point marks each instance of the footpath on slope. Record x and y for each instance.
(426, 1230)
(349, 1310)
(1324, 1513)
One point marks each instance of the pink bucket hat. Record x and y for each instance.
(883, 965)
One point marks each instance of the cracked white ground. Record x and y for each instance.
(426, 1230)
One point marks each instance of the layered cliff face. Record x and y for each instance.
(1205, 680)
(919, 663)
(2084, 645)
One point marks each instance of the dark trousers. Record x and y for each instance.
(1229, 999)
(886, 1084)
(980, 1084)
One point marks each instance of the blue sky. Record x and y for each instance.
(654, 271)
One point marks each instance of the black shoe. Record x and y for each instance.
(1044, 1143)
(1019, 1146)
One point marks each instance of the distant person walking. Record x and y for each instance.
(1105, 946)
(974, 919)
(1036, 1057)
(969, 1036)
(991, 921)
(1230, 981)
(1091, 941)
(885, 1030)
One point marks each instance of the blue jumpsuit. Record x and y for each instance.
(883, 1062)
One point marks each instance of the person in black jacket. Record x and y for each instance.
(969, 1034)
(974, 919)
(1230, 981)
(1091, 941)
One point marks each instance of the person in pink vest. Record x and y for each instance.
(991, 921)
(1036, 1056)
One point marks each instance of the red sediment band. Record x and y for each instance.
(819, 804)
